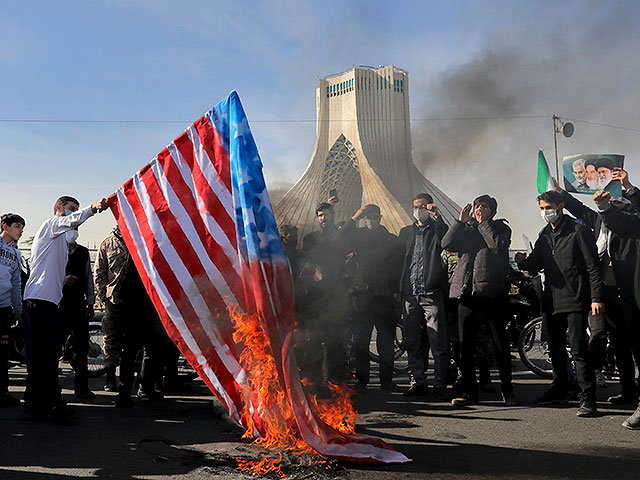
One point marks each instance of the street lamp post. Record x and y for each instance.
(566, 128)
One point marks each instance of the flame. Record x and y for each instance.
(339, 413)
(278, 424)
(262, 467)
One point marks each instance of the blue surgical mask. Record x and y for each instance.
(67, 213)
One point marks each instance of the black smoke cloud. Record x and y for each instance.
(584, 68)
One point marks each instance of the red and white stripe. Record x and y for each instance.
(177, 217)
(177, 211)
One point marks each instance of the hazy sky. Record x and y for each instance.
(162, 60)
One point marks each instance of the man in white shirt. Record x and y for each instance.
(42, 294)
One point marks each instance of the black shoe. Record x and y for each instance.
(464, 400)
(61, 413)
(487, 386)
(622, 399)
(415, 391)
(153, 395)
(587, 408)
(390, 387)
(552, 397)
(85, 394)
(7, 401)
(123, 401)
(442, 394)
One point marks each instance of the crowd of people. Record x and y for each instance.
(448, 284)
(350, 280)
(58, 294)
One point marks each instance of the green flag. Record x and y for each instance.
(544, 176)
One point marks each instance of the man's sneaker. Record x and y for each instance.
(587, 408)
(600, 381)
(441, 394)
(622, 399)
(464, 400)
(7, 401)
(415, 390)
(110, 385)
(633, 422)
(552, 397)
(509, 399)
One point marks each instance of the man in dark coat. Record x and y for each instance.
(422, 282)
(76, 311)
(618, 261)
(479, 284)
(627, 226)
(566, 251)
(374, 283)
(325, 326)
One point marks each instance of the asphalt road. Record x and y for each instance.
(182, 437)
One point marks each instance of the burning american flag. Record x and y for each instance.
(199, 225)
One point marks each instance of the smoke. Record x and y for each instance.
(587, 71)
(277, 191)
(461, 100)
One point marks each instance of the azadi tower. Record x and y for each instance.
(363, 151)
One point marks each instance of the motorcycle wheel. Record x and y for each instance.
(533, 349)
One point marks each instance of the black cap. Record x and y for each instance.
(605, 162)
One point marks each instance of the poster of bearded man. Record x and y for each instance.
(589, 173)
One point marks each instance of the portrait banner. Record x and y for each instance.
(589, 173)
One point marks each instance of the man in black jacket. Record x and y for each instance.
(627, 226)
(566, 251)
(76, 311)
(374, 283)
(617, 258)
(479, 284)
(325, 326)
(422, 282)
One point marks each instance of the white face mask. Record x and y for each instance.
(421, 215)
(71, 236)
(550, 215)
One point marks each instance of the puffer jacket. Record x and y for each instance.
(483, 258)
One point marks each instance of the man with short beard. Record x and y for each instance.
(422, 284)
(324, 253)
(581, 175)
(375, 254)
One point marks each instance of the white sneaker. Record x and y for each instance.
(600, 381)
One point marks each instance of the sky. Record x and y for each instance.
(166, 63)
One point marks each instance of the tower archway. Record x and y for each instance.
(341, 172)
